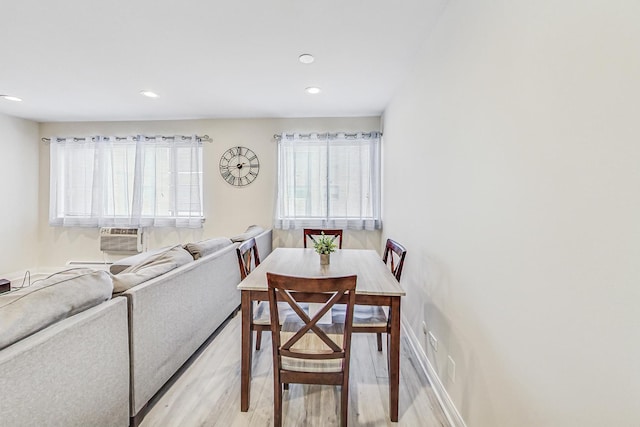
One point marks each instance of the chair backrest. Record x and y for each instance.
(394, 254)
(311, 232)
(330, 290)
(245, 251)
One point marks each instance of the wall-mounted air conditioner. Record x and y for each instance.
(121, 239)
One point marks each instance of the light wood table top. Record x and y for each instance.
(374, 277)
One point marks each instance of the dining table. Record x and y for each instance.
(375, 286)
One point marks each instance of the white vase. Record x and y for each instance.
(325, 259)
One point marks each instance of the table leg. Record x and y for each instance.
(394, 358)
(247, 345)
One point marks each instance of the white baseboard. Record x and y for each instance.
(448, 407)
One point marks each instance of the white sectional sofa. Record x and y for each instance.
(103, 365)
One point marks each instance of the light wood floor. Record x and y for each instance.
(208, 392)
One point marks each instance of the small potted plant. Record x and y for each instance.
(324, 245)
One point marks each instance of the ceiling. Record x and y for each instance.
(82, 60)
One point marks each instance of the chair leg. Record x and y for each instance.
(379, 335)
(344, 405)
(258, 338)
(286, 386)
(277, 404)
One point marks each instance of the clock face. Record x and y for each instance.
(239, 166)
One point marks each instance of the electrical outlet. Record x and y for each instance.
(451, 369)
(433, 342)
(424, 328)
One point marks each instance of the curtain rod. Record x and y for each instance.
(347, 135)
(203, 138)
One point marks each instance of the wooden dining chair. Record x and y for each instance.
(394, 254)
(309, 233)
(249, 258)
(304, 351)
(371, 318)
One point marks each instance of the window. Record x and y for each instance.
(329, 180)
(133, 181)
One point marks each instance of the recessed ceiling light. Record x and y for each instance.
(306, 58)
(11, 98)
(148, 94)
(313, 90)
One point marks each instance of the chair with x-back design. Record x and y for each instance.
(374, 319)
(304, 351)
(249, 258)
(394, 254)
(311, 233)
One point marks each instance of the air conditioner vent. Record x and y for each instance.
(121, 239)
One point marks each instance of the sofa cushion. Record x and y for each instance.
(206, 247)
(151, 267)
(26, 311)
(124, 263)
(252, 231)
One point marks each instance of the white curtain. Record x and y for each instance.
(133, 181)
(329, 180)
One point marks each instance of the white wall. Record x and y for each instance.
(18, 193)
(514, 154)
(228, 210)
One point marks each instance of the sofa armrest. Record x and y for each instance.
(72, 373)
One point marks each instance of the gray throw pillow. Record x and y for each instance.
(28, 310)
(252, 231)
(150, 268)
(206, 247)
(124, 263)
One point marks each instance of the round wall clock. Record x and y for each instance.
(239, 166)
